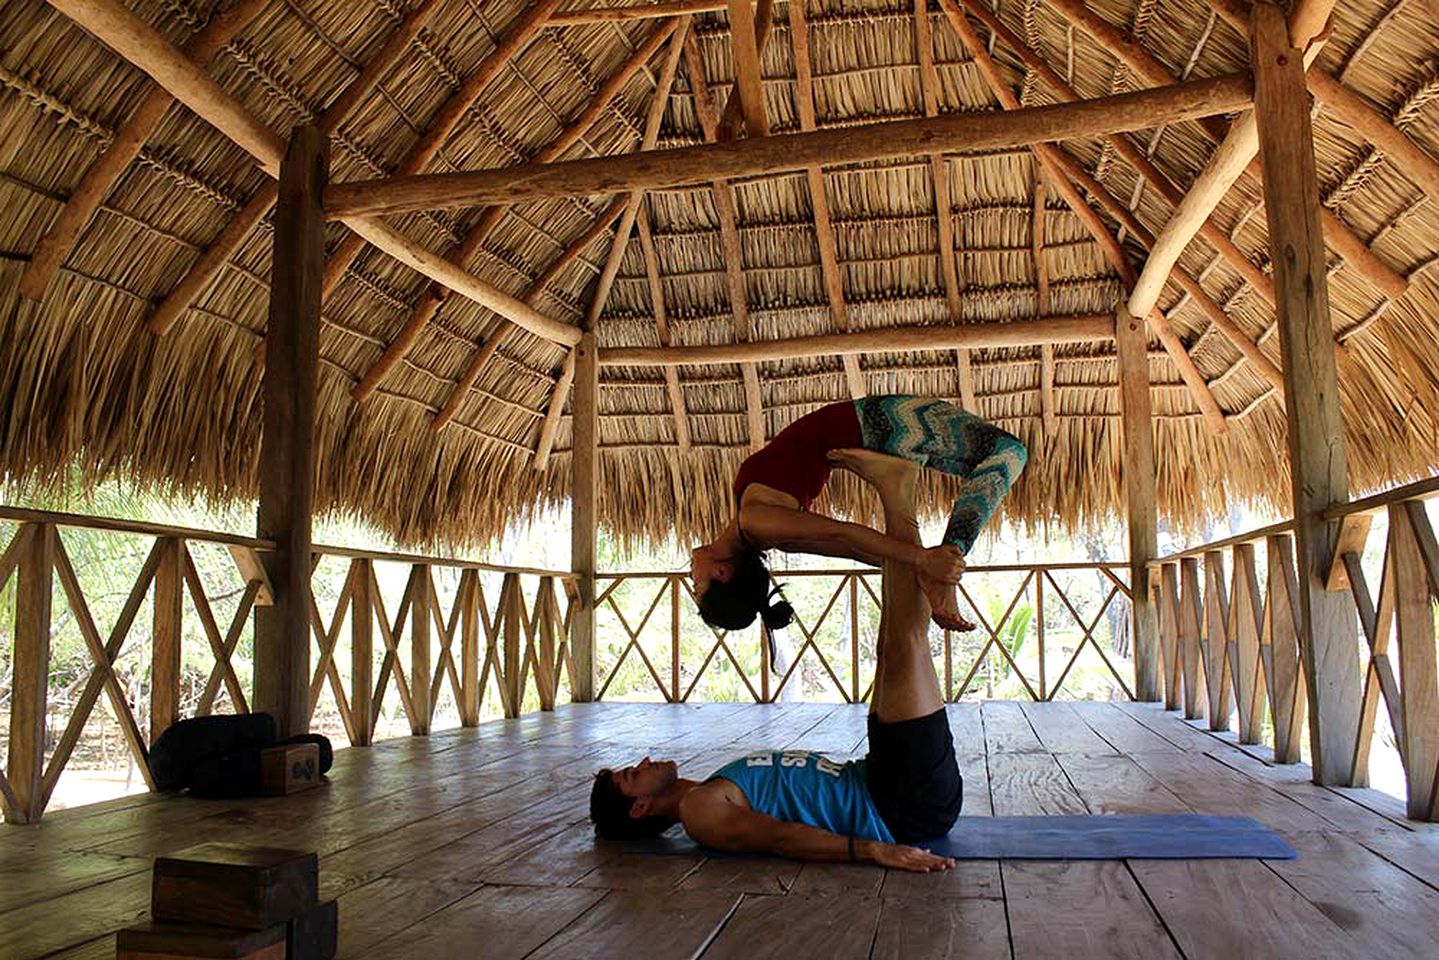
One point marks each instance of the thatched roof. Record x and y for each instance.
(84, 382)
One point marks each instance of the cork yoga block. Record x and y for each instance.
(289, 768)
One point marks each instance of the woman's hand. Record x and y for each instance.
(943, 563)
(900, 857)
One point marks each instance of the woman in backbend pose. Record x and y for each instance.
(775, 486)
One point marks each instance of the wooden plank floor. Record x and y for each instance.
(475, 843)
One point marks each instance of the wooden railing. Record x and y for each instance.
(506, 629)
(673, 656)
(1229, 636)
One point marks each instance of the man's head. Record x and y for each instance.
(626, 803)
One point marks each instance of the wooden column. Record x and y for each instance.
(469, 599)
(1131, 342)
(25, 760)
(1418, 683)
(421, 600)
(512, 603)
(287, 447)
(1190, 605)
(165, 638)
(584, 491)
(1328, 635)
(362, 653)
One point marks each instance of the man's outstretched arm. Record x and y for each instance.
(717, 823)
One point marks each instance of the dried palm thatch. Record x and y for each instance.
(86, 385)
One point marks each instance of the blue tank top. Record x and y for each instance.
(800, 786)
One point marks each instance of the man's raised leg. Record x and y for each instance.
(905, 684)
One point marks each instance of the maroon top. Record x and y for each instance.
(794, 462)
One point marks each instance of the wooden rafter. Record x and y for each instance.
(662, 329)
(747, 66)
(1041, 277)
(632, 201)
(524, 29)
(731, 251)
(139, 44)
(1060, 167)
(685, 166)
(204, 270)
(429, 303)
(819, 202)
(1147, 67)
(117, 156)
(943, 197)
(643, 11)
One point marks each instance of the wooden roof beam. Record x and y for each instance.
(1127, 150)
(224, 246)
(1016, 333)
(769, 155)
(139, 44)
(745, 48)
(632, 201)
(429, 303)
(943, 198)
(1133, 55)
(643, 11)
(102, 175)
(1054, 162)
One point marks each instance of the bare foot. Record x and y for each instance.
(893, 477)
(944, 605)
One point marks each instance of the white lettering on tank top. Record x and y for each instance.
(797, 759)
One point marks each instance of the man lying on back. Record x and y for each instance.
(800, 804)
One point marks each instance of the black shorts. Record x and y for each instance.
(913, 776)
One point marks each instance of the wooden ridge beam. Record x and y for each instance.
(1133, 55)
(819, 202)
(102, 175)
(139, 44)
(1016, 333)
(444, 121)
(644, 11)
(684, 166)
(1060, 168)
(429, 303)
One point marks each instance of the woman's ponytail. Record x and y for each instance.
(777, 615)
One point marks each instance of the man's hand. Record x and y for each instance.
(944, 605)
(943, 563)
(900, 857)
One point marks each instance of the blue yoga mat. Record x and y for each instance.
(1167, 836)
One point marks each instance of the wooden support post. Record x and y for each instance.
(470, 692)
(362, 652)
(287, 447)
(165, 638)
(1131, 343)
(1190, 605)
(674, 586)
(1317, 462)
(584, 517)
(25, 759)
(422, 599)
(1418, 683)
(1216, 640)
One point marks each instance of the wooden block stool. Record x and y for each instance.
(190, 941)
(232, 885)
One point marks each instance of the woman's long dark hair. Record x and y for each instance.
(733, 605)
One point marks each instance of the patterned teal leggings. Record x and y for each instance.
(937, 434)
